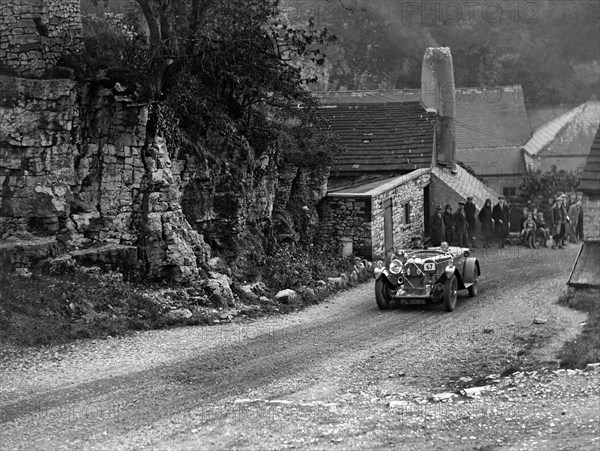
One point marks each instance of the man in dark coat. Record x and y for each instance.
(565, 220)
(579, 231)
(438, 231)
(461, 234)
(558, 221)
(449, 224)
(470, 215)
(485, 218)
(501, 217)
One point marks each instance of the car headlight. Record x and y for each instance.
(395, 266)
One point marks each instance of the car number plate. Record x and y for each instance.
(413, 301)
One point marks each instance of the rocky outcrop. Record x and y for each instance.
(37, 152)
(78, 164)
(171, 246)
(75, 164)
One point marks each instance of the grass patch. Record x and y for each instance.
(586, 347)
(44, 309)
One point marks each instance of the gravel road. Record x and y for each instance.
(339, 375)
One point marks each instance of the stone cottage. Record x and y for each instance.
(564, 142)
(491, 126)
(378, 216)
(400, 162)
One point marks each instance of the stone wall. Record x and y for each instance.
(409, 193)
(591, 218)
(347, 217)
(35, 34)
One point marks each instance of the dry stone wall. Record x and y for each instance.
(35, 34)
(348, 217)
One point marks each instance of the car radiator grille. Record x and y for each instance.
(413, 276)
(414, 281)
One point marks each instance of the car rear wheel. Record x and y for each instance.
(383, 294)
(473, 289)
(450, 293)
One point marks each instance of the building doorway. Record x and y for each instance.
(388, 226)
(426, 211)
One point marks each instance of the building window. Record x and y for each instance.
(407, 213)
(509, 191)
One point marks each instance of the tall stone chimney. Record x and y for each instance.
(437, 91)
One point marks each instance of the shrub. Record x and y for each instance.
(288, 266)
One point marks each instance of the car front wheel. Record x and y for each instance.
(383, 294)
(451, 293)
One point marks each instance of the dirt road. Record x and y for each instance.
(338, 375)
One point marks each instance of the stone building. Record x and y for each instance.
(400, 162)
(586, 271)
(491, 125)
(377, 216)
(381, 140)
(564, 142)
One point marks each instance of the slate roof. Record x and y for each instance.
(572, 133)
(391, 136)
(541, 115)
(381, 186)
(358, 97)
(493, 161)
(465, 184)
(586, 271)
(490, 117)
(590, 179)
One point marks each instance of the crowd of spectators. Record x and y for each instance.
(459, 228)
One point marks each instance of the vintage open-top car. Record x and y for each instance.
(420, 276)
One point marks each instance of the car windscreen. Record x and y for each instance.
(428, 254)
